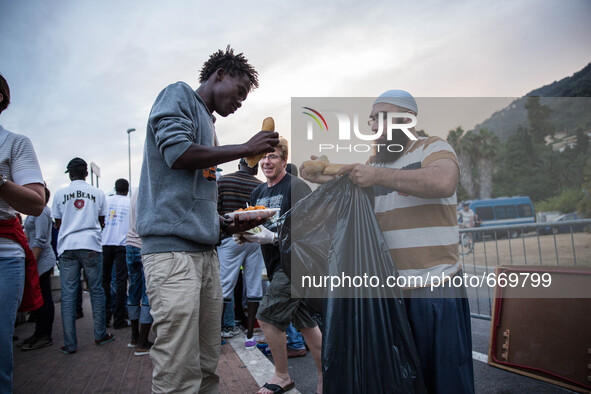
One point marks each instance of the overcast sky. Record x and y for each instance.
(81, 73)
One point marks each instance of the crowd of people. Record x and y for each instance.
(182, 258)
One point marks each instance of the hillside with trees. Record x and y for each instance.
(538, 146)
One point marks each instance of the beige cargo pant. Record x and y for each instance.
(186, 303)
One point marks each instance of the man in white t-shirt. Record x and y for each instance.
(113, 240)
(79, 211)
(467, 216)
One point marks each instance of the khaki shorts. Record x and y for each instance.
(279, 308)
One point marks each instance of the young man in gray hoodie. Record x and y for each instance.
(178, 222)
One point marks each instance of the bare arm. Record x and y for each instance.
(36, 252)
(58, 223)
(200, 156)
(438, 180)
(28, 199)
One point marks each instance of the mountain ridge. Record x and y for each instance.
(569, 99)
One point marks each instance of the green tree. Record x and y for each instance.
(521, 170)
(484, 150)
(582, 142)
(584, 206)
(538, 116)
(454, 138)
(565, 202)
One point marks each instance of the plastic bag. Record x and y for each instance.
(367, 341)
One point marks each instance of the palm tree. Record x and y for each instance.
(486, 146)
(455, 139)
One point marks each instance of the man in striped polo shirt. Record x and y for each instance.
(415, 204)
(234, 192)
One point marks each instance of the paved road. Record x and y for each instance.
(487, 379)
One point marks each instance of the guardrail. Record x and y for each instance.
(519, 244)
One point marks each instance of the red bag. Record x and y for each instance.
(32, 299)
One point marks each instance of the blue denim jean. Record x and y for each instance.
(229, 319)
(12, 283)
(295, 339)
(70, 263)
(115, 256)
(137, 287)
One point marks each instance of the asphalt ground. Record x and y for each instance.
(487, 379)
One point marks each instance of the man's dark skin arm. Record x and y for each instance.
(235, 226)
(58, 223)
(102, 221)
(199, 156)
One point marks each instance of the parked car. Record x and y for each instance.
(565, 228)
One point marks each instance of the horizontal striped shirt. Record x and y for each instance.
(19, 164)
(234, 191)
(421, 233)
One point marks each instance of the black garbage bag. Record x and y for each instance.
(367, 341)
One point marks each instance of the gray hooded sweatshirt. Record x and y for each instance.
(176, 209)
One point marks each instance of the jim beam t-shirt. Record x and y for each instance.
(79, 206)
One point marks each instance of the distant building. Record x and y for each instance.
(560, 141)
(570, 142)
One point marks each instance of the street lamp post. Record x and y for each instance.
(129, 155)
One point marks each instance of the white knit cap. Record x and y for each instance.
(399, 98)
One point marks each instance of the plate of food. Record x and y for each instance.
(252, 212)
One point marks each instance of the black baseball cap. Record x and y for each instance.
(76, 164)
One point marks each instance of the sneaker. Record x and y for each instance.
(27, 341)
(38, 343)
(229, 332)
(131, 345)
(107, 338)
(250, 343)
(293, 353)
(65, 351)
(143, 351)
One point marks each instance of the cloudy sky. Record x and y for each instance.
(81, 73)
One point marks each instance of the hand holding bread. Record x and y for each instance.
(268, 129)
(319, 170)
(321, 165)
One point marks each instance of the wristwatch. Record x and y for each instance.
(2, 180)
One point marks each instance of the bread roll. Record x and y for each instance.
(332, 169)
(268, 125)
(314, 166)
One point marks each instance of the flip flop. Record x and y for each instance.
(276, 389)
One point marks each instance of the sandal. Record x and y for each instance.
(276, 389)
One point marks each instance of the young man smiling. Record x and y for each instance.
(178, 222)
(277, 308)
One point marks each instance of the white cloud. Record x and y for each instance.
(82, 73)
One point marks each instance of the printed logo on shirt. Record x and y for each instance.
(209, 173)
(78, 195)
(79, 204)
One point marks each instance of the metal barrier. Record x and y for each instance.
(520, 244)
